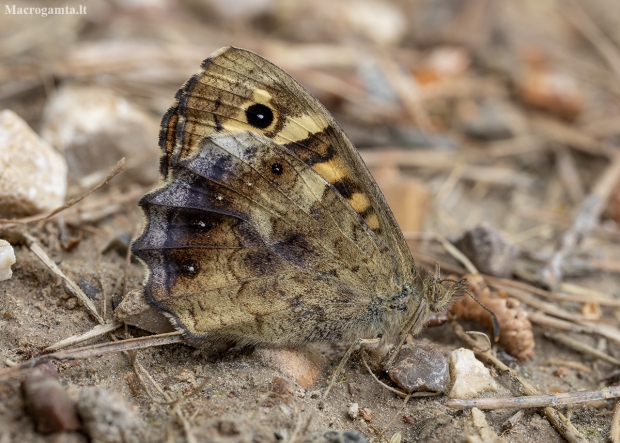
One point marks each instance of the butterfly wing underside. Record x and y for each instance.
(268, 227)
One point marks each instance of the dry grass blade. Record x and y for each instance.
(96, 350)
(582, 347)
(75, 339)
(71, 286)
(117, 169)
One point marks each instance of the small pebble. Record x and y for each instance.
(7, 258)
(281, 386)
(135, 311)
(420, 367)
(94, 127)
(469, 376)
(304, 364)
(23, 155)
(47, 402)
(108, 417)
(353, 411)
(488, 251)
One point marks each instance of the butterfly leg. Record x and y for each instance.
(413, 325)
(357, 345)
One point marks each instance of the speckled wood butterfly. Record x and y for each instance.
(267, 227)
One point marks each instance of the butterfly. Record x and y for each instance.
(267, 228)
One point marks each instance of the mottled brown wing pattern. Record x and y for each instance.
(240, 249)
(237, 90)
(267, 226)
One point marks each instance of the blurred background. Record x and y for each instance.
(505, 112)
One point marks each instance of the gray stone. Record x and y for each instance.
(108, 417)
(420, 367)
(94, 127)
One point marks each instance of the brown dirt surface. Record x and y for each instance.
(524, 166)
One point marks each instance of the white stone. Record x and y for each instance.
(94, 127)
(353, 411)
(7, 258)
(469, 376)
(33, 176)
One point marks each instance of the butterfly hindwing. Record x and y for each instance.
(232, 239)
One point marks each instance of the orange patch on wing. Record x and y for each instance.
(332, 170)
(372, 221)
(359, 202)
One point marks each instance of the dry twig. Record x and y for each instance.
(537, 401)
(117, 169)
(96, 350)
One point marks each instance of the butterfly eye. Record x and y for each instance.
(276, 168)
(259, 116)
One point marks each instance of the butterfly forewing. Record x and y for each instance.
(233, 86)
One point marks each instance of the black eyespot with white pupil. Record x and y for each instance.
(190, 268)
(277, 169)
(259, 116)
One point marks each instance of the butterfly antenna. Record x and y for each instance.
(496, 329)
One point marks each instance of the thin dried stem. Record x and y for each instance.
(582, 347)
(71, 286)
(537, 401)
(117, 169)
(96, 350)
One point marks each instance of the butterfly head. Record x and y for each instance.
(440, 293)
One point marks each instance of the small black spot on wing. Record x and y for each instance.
(277, 168)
